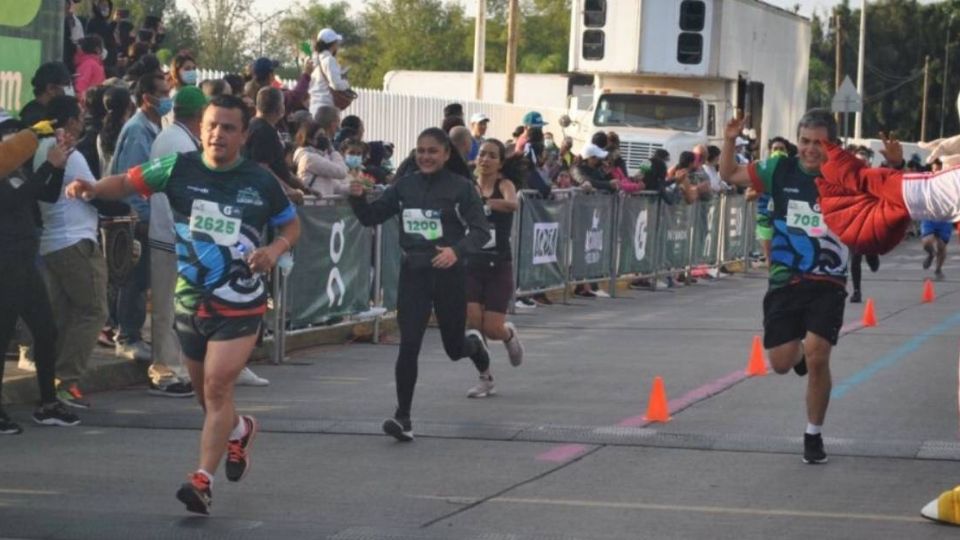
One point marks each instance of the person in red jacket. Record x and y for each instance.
(870, 210)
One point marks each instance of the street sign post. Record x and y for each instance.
(847, 100)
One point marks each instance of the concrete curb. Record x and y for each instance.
(108, 372)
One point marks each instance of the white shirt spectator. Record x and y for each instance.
(174, 139)
(68, 221)
(324, 77)
(717, 185)
(323, 172)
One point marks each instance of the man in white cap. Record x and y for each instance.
(327, 76)
(478, 126)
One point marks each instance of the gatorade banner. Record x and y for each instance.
(31, 32)
(542, 244)
(390, 259)
(638, 234)
(331, 276)
(706, 248)
(675, 221)
(735, 227)
(592, 236)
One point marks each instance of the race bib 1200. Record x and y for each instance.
(216, 223)
(425, 223)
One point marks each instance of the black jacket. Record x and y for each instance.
(19, 193)
(465, 227)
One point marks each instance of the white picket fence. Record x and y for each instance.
(399, 118)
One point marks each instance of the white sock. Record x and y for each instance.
(239, 431)
(208, 475)
(812, 429)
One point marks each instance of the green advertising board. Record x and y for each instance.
(638, 234)
(675, 228)
(31, 32)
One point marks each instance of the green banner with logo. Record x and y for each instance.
(391, 257)
(331, 276)
(736, 223)
(638, 234)
(542, 244)
(31, 32)
(706, 247)
(675, 221)
(592, 236)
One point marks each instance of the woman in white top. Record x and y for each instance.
(319, 167)
(326, 76)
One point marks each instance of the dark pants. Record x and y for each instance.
(131, 311)
(23, 294)
(423, 288)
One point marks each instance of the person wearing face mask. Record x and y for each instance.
(355, 154)
(327, 75)
(319, 166)
(442, 222)
(51, 79)
(183, 72)
(100, 25)
(133, 148)
(89, 62)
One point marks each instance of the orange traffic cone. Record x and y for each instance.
(869, 317)
(657, 409)
(928, 294)
(756, 366)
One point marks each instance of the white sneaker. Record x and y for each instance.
(248, 378)
(520, 304)
(601, 293)
(138, 351)
(514, 347)
(26, 363)
(483, 389)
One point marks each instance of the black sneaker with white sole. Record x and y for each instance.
(176, 389)
(55, 414)
(482, 353)
(800, 368)
(400, 429)
(8, 426)
(813, 453)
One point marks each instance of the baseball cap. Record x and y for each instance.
(476, 118)
(263, 66)
(327, 35)
(189, 101)
(533, 119)
(592, 150)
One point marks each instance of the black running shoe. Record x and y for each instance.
(400, 429)
(196, 494)
(855, 298)
(800, 368)
(928, 260)
(55, 414)
(238, 452)
(873, 261)
(482, 353)
(813, 453)
(8, 426)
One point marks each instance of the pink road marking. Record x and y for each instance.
(562, 454)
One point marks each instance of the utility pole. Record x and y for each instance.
(261, 21)
(858, 118)
(513, 23)
(479, 49)
(838, 62)
(926, 88)
(946, 72)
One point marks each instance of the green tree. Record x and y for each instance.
(222, 32)
(299, 30)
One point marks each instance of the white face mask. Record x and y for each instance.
(68, 91)
(103, 54)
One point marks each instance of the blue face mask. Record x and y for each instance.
(189, 77)
(164, 106)
(387, 164)
(354, 161)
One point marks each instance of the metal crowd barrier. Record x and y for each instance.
(345, 272)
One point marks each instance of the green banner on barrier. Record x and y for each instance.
(391, 257)
(542, 244)
(333, 262)
(31, 32)
(592, 236)
(735, 233)
(706, 248)
(638, 234)
(675, 235)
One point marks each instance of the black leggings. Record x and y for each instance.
(23, 294)
(420, 289)
(856, 268)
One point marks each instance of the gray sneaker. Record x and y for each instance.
(514, 347)
(248, 378)
(138, 351)
(484, 388)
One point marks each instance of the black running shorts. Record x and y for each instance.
(195, 332)
(490, 285)
(808, 306)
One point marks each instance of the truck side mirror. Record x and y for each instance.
(564, 121)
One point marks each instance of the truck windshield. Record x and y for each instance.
(650, 111)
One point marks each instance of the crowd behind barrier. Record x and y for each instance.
(343, 269)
